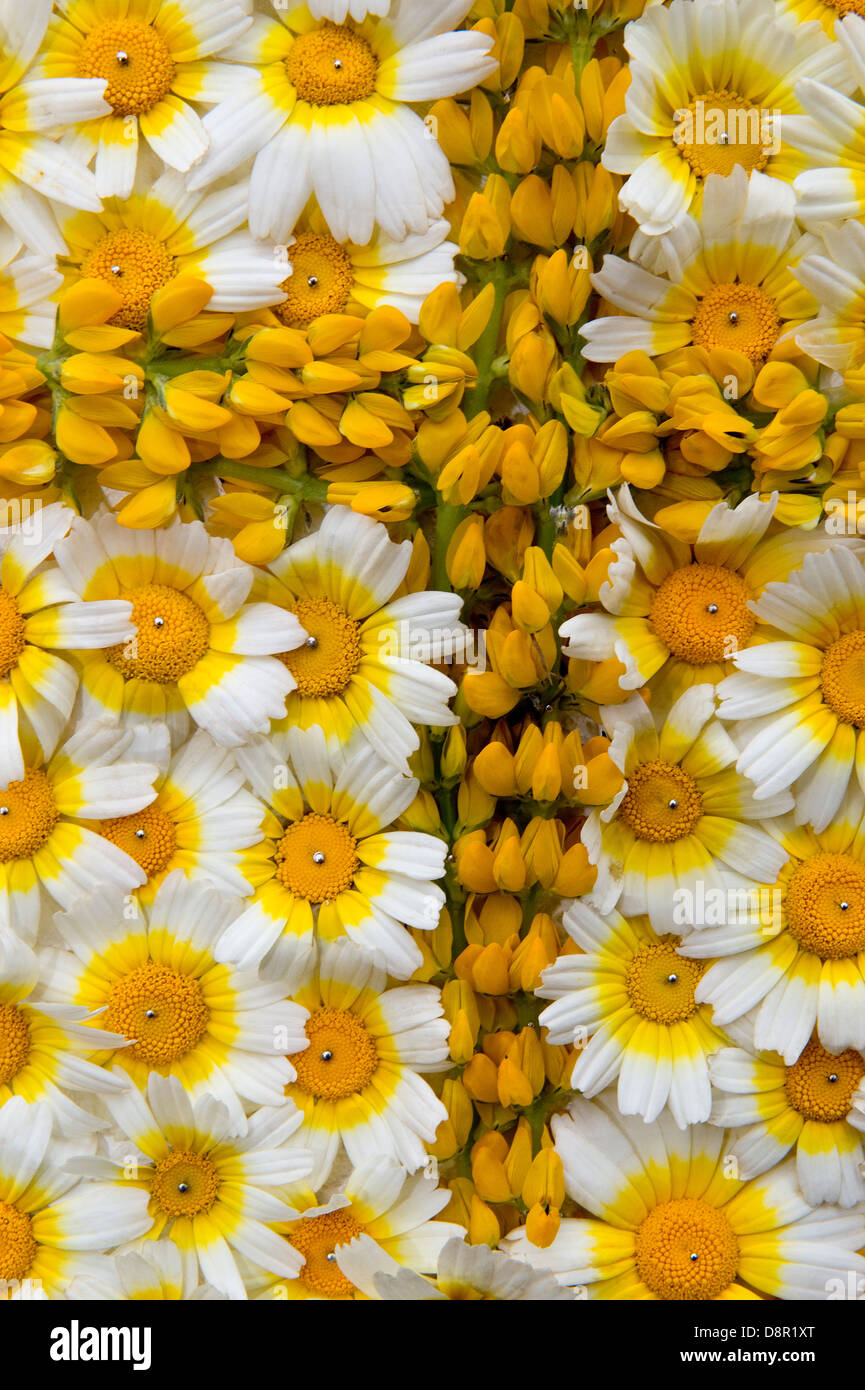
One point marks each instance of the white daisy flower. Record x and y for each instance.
(832, 272)
(465, 1274)
(328, 113)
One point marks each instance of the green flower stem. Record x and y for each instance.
(307, 487)
(498, 274)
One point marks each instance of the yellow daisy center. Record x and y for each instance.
(149, 837)
(738, 318)
(687, 1250)
(843, 7)
(325, 663)
(135, 62)
(320, 281)
(316, 1240)
(12, 639)
(341, 1059)
(825, 905)
(821, 1086)
(662, 802)
(17, 1247)
(843, 678)
(137, 265)
(696, 611)
(184, 1183)
(14, 1042)
(332, 66)
(172, 635)
(316, 858)
(28, 814)
(162, 1010)
(661, 984)
(722, 130)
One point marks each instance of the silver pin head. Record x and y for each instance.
(312, 643)
(122, 57)
(327, 1055)
(733, 317)
(672, 803)
(141, 834)
(159, 622)
(712, 608)
(318, 857)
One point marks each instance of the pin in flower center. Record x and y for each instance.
(184, 1183)
(135, 62)
(661, 984)
(320, 282)
(721, 130)
(325, 663)
(136, 264)
(316, 858)
(843, 678)
(341, 1058)
(332, 66)
(697, 610)
(149, 837)
(687, 1250)
(28, 814)
(14, 1042)
(18, 1249)
(825, 906)
(662, 802)
(12, 639)
(172, 635)
(316, 1239)
(163, 1011)
(739, 318)
(821, 1086)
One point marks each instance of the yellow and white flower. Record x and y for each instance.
(329, 113)
(729, 283)
(670, 1221)
(46, 853)
(362, 669)
(141, 243)
(27, 282)
(44, 1047)
(202, 819)
(154, 1272)
(36, 171)
(800, 699)
(53, 1225)
(830, 140)
(709, 81)
(681, 823)
(627, 1000)
(807, 1107)
(39, 616)
(465, 1274)
(833, 272)
(379, 1217)
(332, 277)
(797, 963)
(209, 1193)
(153, 57)
(358, 1081)
(199, 649)
(155, 979)
(332, 866)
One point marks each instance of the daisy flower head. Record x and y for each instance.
(797, 966)
(155, 981)
(379, 1214)
(48, 853)
(464, 1274)
(357, 673)
(682, 822)
(329, 113)
(40, 617)
(670, 1221)
(728, 283)
(36, 171)
(202, 819)
(800, 699)
(632, 997)
(674, 614)
(208, 1192)
(332, 277)
(813, 1108)
(199, 651)
(709, 80)
(140, 244)
(833, 271)
(830, 139)
(332, 866)
(53, 1227)
(45, 1048)
(358, 1081)
(153, 58)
